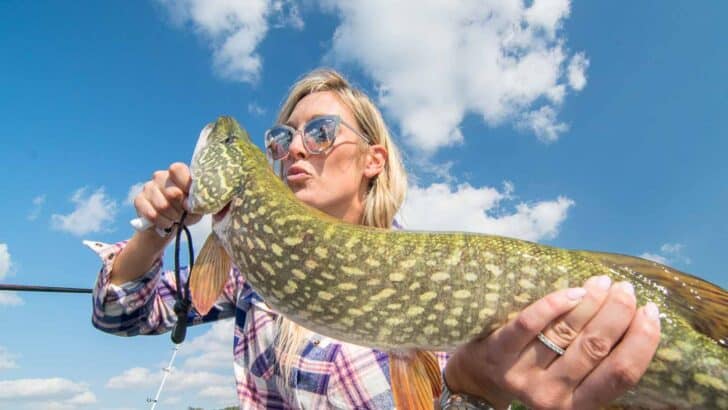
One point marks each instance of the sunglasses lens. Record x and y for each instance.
(320, 134)
(277, 141)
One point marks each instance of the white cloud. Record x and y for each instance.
(199, 232)
(53, 393)
(38, 202)
(670, 254)
(500, 60)
(91, 214)
(234, 29)
(134, 190)
(577, 68)
(212, 349)
(7, 359)
(255, 109)
(466, 208)
(5, 263)
(10, 299)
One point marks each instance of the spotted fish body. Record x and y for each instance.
(396, 289)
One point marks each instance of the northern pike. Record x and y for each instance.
(395, 290)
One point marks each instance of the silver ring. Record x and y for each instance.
(550, 344)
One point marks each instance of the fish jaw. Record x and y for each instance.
(217, 166)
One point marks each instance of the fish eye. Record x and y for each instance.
(230, 138)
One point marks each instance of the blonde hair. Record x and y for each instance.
(386, 190)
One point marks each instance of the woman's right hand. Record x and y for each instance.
(163, 199)
(162, 202)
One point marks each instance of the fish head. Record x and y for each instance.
(217, 166)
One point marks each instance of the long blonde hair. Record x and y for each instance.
(386, 190)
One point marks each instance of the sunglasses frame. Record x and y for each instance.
(335, 118)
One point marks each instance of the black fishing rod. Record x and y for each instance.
(53, 289)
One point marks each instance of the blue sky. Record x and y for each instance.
(593, 125)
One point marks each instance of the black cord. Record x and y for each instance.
(183, 301)
(33, 288)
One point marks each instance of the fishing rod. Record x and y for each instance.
(52, 289)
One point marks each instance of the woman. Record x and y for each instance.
(352, 171)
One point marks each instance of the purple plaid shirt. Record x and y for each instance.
(328, 373)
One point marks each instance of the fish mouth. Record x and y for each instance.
(219, 215)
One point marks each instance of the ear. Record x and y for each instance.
(375, 161)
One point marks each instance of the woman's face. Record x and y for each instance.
(334, 182)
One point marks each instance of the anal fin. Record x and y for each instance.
(416, 379)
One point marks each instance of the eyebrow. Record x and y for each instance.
(290, 124)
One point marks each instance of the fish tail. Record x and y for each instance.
(416, 379)
(209, 275)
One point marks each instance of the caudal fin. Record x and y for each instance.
(703, 304)
(209, 274)
(416, 380)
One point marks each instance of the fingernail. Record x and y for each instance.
(627, 287)
(652, 311)
(604, 282)
(575, 293)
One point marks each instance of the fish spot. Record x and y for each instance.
(526, 284)
(394, 306)
(298, 273)
(268, 268)
(325, 295)
(461, 294)
(428, 296)
(491, 297)
(250, 244)
(321, 252)
(522, 298)
(384, 293)
(415, 310)
(347, 286)
(710, 381)
(260, 243)
(374, 282)
(396, 277)
(414, 286)
(471, 277)
(328, 276)
(430, 330)
(406, 264)
(440, 276)
(310, 264)
(350, 298)
(292, 241)
(670, 355)
(355, 312)
(277, 250)
(485, 313)
(439, 306)
(351, 270)
(451, 322)
(494, 269)
(372, 262)
(267, 229)
(454, 258)
(457, 311)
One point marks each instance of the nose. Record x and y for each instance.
(297, 150)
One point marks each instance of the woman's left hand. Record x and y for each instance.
(609, 344)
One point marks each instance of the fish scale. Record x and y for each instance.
(395, 290)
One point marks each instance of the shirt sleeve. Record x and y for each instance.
(146, 304)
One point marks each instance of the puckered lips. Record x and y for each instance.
(297, 173)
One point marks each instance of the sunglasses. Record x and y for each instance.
(318, 136)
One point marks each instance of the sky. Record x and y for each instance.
(589, 125)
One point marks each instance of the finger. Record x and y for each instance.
(564, 330)
(179, 174)
(145, 209)
(595, 342)
(623, 368)
(161, 204)
(517, 333)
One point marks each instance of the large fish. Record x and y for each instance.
(396, 290)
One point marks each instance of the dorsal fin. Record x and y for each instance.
(703, 304)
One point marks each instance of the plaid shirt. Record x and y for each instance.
(328, 373)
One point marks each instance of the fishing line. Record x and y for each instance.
(182, 304)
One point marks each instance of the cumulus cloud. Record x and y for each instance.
(467, 208)
(669, 254)
(255, 109)
(6, 266)
(7, 359)
(55, 393)
(92, 213)
(503, 61)
(38, 202)
(211, 350)
(134, 190)
(234, 29)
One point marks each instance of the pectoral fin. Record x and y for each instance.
(416, 379)
(703, 304)
(209, 274)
